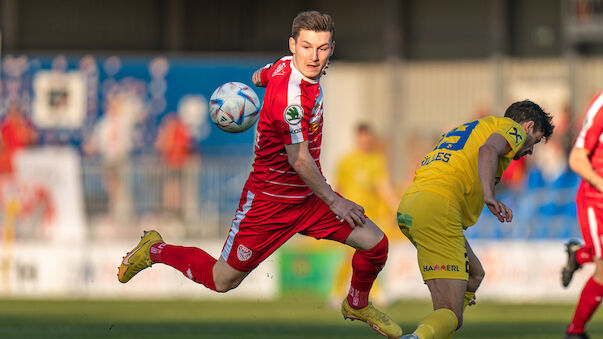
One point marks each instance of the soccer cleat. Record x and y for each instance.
(571, 247)
(576, 336)
(139, 258)
(376, 319)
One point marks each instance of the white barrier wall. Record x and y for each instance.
(50, 270)
(55, 174)
(515, 271)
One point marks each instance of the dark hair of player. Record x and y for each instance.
(526, 110)
(312, 21)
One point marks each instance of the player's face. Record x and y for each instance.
(532, 138)
(311, 51)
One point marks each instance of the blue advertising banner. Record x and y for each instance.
(65, 96)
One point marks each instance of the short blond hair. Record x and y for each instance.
(312, 21)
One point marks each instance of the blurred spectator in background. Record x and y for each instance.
(174, 146)
(17, 132)
(363, 177)
(586, 159)
(551, 160)
(112, 139)
(513, 177)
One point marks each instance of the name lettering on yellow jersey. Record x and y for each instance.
(440, 156)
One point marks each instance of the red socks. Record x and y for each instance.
(198, 266)
(366, 266)
(589, 301)
(583, 255)
(193, 262)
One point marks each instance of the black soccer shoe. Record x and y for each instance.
(582, 335)
(571, 247)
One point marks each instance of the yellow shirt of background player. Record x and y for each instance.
(450, 170)
(359, 175)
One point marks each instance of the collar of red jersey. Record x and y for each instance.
(293, 69)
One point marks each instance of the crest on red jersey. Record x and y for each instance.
(243, 253)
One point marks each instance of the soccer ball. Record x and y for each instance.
(234, 107)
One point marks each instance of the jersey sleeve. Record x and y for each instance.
(272, 69)
(514, 134)
(265, 74)
(592, 126)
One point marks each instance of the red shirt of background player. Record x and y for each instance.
(589, 139)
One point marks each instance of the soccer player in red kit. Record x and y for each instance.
(286, 192)
(586, 159)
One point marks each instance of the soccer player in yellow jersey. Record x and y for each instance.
(447, 196)
(362, 176)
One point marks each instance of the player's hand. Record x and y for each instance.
(256, 78)
(348, 211)
(500, 210)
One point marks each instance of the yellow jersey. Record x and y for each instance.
(359, 175)
(450, 169)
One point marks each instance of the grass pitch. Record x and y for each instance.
(291, 317)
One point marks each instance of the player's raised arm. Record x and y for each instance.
(256, 78)
(580, 163)
(260, 77)
(495, 146)
(302, 162)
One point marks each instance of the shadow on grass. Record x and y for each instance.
(19, 327)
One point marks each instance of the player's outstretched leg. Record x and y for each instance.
(193, 262)
(572, 265)
(139, 258)
(590, 298)
(366, 265)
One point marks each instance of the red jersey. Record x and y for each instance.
(291, 113)
(591, 139)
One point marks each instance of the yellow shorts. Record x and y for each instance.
(434, 225)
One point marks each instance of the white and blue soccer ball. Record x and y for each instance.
(234, 107)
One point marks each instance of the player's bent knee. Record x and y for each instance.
(598, 273)
(459, 318)
(223, 285)
(475, 279)
(459, 321)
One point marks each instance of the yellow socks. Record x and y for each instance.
(439, 324)
(442, 323)
(469, 298)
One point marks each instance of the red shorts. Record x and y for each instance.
(590, 218)
(261, 226)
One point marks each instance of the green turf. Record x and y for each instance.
(292, 317)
